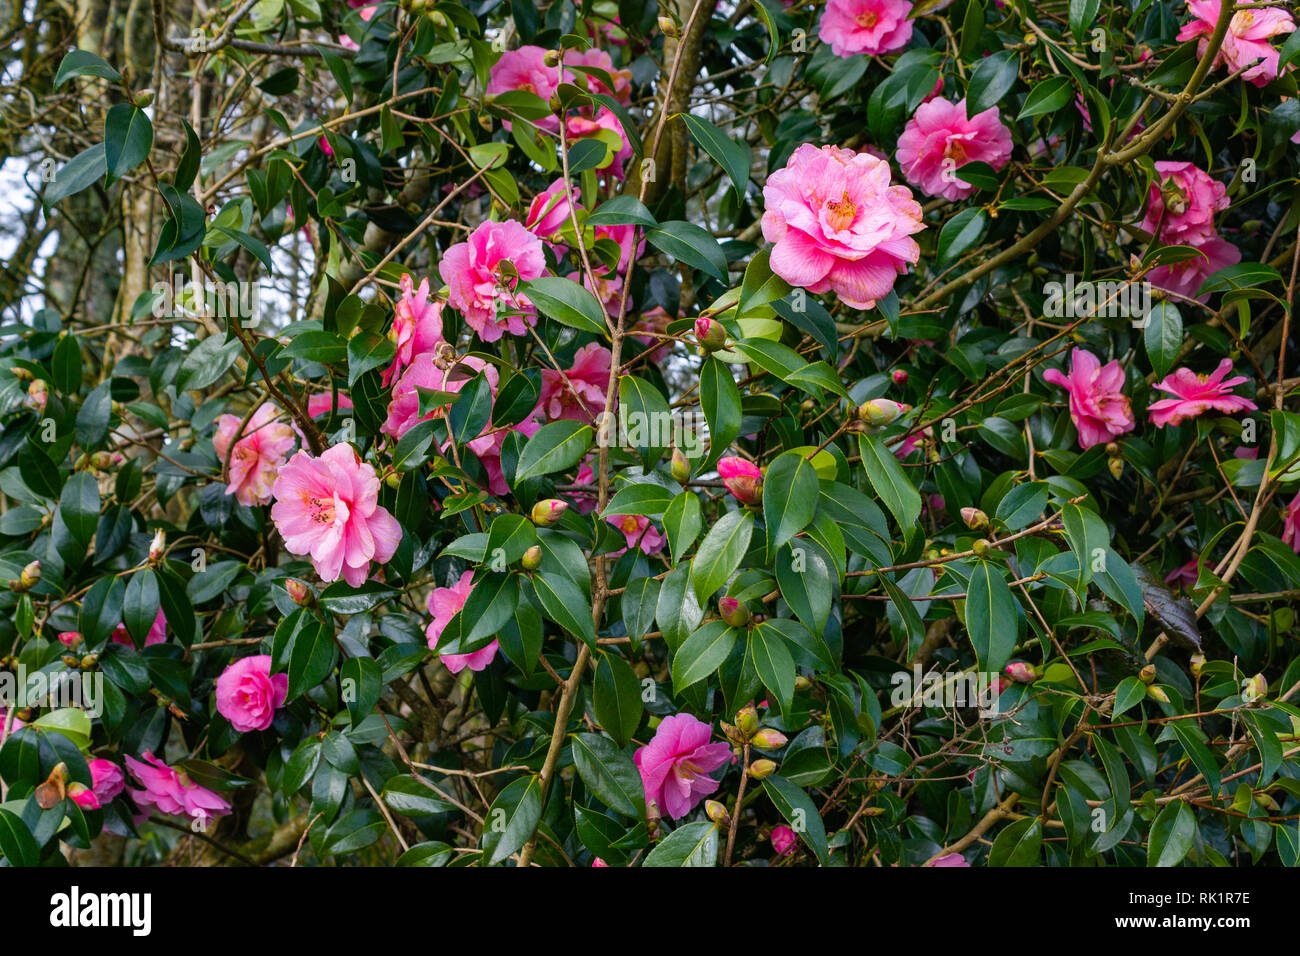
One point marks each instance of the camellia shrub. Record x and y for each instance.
(707, 433)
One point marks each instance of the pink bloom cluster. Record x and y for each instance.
(106, 782)
(941, 138)
(417, 326)
(261, 450)
(328, 508)
(1180, 211)
(675, 765)
(478, 287)
(866, 26)
(1247, 39)
(248, 694)
(172, 791)
(837, 224)
(1196, 394)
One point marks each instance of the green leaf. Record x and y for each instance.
(84, 63)
(992, 79)
(610, 774)
(760, 284)
(128, 137)
(1019, 844)
(890, 481)
(512, 818)
(65, 365)
(1082, 15)
(1163, 336)
(991, 613)
(1129, 692)
(801, 813)
(683, 523)
(17, 843)
(645, 499)
(406, 795)
(694, 844)
(1192, 739)
(644, 417)
(564, 604)
(141, 605)
(490, 605)
(688, 243)
(805, 583)
(960, 233)
(1172, 835)
(311, 657)
(511, 535)
(720, 553)
(360, 685)
(79, 506)
(702, 653)
(1047, 97)
(368, 350)
(617, 697)
(554, 447)
(568, 303)
(790, 493)
(774, 664)
(80, 172)
(720, 402)
(732, 155)
(622, 211)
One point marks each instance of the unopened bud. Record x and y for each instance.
(89, 661)
(981, 547)
(532, 559)
(668, 27)
(1147, 674)
(732, 733)
(144, 98)
(31, 575)
(38, 392)
(1157, 693)
(552, 58)
(733, 612)
(1198, 662)
(717, 813)
(1116, 466)
(879, 412)
(1254, 688)
(769, 739)
(710, 334)
(899, 376)
(762, 768)
(680, 467)
(1021, 672)
(70, 638)
(747, 721)
(555, 103)
(105, 460)
(299, 592)
(802, 683)
(393, 480)
(974, 518)
(157, 547)
(548, 511)
(22, 374)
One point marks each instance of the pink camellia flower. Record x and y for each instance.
(426, 372)
(783, 841)
(69, 638)
(107, 781)
(4, 717)
(950, 859)
(550, 211)
(1185, 575)
(328, 508)
(639, 531)
(259, 453)
(525, 69)
(172, 791)
(1020, 672)
(940, 138)
(1291, 524)
(417, 326)
(443, 605)
(579, 392)
(743, 479)
(157, 632)
(675, 764)
(1186, 277)
(477, 287)
(1098, 407)
(1183, 203)
(248, 694)
(1246, 41)
(837, 224)
(866, 26)
(1195, 394)
(599, 862)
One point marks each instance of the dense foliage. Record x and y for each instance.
(706, 433)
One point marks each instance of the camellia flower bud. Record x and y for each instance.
(734, 612)
(393, 480)
(1021, 672)
(717, 813)
(1116, 466)
(548, 511)
(144, 98)
(158, 546)
(802, 683)
(532, 559)
(769, 739)
(1147, 674)
(299, 592)
(38, 392)
(710, 334)
(762, 768)
(668, 28)
(1254, 688)
(974, 518)
(680, 467)
(551, 58)
(105, 460)
(31, 575)
(747, 721)
(879, 412)
(981, 546)
(899, 376)
(732, 733)
(22, 374)
(1198, 661)
(1157, 693)
(70, 638)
